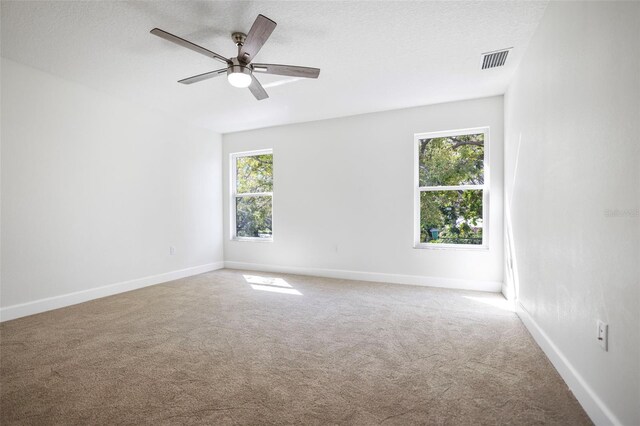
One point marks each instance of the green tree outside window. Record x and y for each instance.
(451, 215)
(254, 195)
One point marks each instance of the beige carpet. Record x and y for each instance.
(220, 348)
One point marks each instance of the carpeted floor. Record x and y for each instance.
(229, 347)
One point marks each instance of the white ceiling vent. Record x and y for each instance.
(494, 59)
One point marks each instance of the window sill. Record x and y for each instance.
(252, 239)
(464, 247)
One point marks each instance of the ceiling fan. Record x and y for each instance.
(240, 70)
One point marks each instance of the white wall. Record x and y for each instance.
(95, 190)
(572, 186)
(343, 198)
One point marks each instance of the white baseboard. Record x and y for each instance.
(507, 291)
(489, 286)
(592, 404)
(55, 302)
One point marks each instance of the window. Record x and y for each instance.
(451, 189)
(252, 195)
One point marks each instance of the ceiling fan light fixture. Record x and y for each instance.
(239, 76)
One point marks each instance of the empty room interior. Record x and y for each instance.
(320, 212)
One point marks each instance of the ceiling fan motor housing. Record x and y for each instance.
(238, 67)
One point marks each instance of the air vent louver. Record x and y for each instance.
(494, 59)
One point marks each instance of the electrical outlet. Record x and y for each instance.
(603, 335)
(172, 250)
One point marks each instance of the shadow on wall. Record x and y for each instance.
(511, 281)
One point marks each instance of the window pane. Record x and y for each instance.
(452, 160)
(253, 217)
(451, 217)
(254, 173)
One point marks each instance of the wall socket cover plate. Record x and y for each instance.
(602, 334)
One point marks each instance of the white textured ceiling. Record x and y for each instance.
(374, 56)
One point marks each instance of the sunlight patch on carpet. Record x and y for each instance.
(496, 302)
(272, 284)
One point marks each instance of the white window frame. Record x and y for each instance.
(418, 189)
(233, 157)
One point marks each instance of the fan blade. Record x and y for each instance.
(205, 76)
(289, 70)
(185, 43)
(258, 35)
(257, 89)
